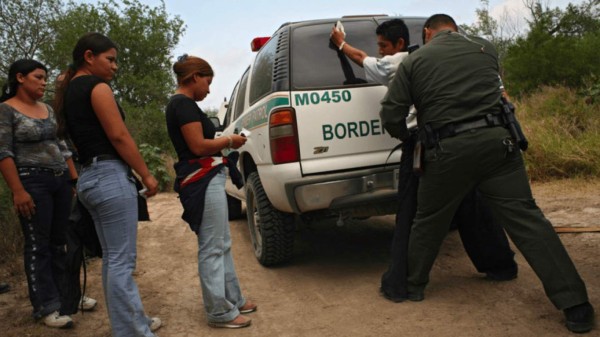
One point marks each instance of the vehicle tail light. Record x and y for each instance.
(258, 42)
(283, 136)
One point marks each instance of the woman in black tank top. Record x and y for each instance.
(106, 186)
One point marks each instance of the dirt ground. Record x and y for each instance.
(331, 286)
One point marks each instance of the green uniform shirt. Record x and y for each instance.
(452, 78)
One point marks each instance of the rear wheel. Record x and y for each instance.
(271, 231)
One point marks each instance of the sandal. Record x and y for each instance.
(248, 308)
(238, 322)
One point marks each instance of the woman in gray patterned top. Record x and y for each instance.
(38, 170)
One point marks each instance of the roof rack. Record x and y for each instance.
(362, 16)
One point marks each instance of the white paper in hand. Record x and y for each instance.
(245, 133)
(340, 27)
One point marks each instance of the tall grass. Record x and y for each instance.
(564, 134)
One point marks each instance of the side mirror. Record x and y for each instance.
(216, 122)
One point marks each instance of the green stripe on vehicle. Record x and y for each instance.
(258, 116)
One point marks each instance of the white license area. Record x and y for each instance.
(341, 129)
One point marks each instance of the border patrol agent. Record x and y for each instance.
(485, 241)
(453, 81)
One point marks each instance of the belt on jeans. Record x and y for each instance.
(29, 170)
(100, 157)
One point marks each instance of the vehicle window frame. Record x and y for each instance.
(353, 27)
(261, 73)
(228, 119)
(241, 95)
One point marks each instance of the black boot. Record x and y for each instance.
(580, 318)
(502, 275)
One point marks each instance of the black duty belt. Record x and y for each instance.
(431, 137)
(453, 129)
(100, 157)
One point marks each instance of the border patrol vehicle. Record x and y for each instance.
(316, 146)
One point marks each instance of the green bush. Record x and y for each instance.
(11, 239)
(591, 89)
(157, 164)
(542, 59)
(564, 134)
(560, 48)
(147, 124)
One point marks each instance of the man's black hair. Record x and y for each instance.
(439, 20)
(394, 30)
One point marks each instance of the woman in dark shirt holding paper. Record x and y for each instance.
(200, 183)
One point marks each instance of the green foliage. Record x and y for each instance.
(497, 32)
(591, 89)
(11, 240)
(48, 31)
(561, 48)
(25, 28)
(146, 36)
(147, 124)
(156, 164)
(564, 134)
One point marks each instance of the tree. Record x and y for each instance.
(25, 29)
(561, 48)
(146, 37)
(501, 33)
(48, 30)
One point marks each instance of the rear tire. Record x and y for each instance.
(272, 232)
(234, 206)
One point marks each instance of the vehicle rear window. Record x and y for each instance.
(241, 96)
(262, 72)
(316, 62)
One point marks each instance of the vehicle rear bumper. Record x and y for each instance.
(352, 190)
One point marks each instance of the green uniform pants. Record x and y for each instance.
(479, 158)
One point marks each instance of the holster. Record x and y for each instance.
(428, 136)
(512, 124)
(418, 159)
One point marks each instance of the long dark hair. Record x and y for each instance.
(97, 44)
(22, 66)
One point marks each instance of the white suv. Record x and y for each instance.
(316, 146)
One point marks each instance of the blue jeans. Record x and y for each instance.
(45, 236)
(220, 286)
(107, 190)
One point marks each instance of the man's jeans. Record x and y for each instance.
(107, 190)
(220, 286)
(45, 238)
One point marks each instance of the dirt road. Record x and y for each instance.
(331, 286)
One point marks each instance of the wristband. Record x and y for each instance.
(342, 45)
(230, 142)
